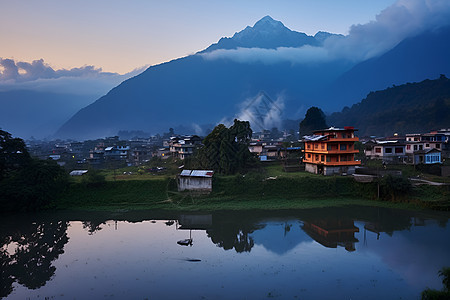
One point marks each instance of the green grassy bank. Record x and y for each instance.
(253, 191)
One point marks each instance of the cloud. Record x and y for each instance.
(303, 55)
(403, 19)
(39, 76)
(262, 112)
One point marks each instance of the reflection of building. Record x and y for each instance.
(333, 233)
(196, 222)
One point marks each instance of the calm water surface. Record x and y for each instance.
(340, 253)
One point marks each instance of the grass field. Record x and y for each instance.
(269, 188)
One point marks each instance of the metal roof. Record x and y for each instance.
(197, 173)
(314, 137)
(78, 172)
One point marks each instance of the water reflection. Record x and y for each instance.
(409, 245)
(333, 232)
(27, 252)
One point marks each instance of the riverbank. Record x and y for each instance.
(253, 191)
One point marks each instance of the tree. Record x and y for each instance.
(225, 150)
(26, 183)
(314, 120)
(13, 153)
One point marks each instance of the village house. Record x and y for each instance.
(386, 150)
(195, 180)
(430, 156)
(184, 146)
(331, 151)
(117, 152)
(419, 147)
(266, 150)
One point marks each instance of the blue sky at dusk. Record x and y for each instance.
(119, 36)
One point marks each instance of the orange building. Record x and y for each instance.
(331, 151)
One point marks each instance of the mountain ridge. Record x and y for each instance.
(192, 91)
(408, 108)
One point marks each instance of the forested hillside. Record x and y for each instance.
(408, 108)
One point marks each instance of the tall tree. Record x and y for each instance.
(225, 150)
(314, 120)
(13, 153)
(26, 183)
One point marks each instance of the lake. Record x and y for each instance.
(334, 253)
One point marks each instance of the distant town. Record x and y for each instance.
(328, 151)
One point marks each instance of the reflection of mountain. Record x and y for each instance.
(333, 232)
(280, 238)
(27, 252)
(403, 251)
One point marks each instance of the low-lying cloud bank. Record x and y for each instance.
(39, 76)
(403, 19)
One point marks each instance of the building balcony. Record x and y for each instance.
(334, 163)
(340, 139)
(324, 151)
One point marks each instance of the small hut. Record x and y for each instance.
(195, 180)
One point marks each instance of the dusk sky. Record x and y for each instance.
(120, 36)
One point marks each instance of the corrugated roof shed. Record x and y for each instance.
(185, 173)
(197, 173)
(78, 172)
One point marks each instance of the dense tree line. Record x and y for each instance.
(26, 183)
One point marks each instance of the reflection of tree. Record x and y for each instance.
(229, 233)
(93, 226)
(27, 253)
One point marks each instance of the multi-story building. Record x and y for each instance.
(386, 150)
(331, 151)
(184, 146)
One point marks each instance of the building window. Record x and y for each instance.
(438, 146)
(427, 145)
(322, 146)
(377, 150)
(317, 157)
(415, 147)
(408, 147)
(328, 158)
(322, 158)
(309, 155)
(387, 150)
(398, 150)
(343, 147)
(329, 147)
